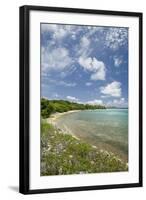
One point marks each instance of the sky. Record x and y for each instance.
(85, 64)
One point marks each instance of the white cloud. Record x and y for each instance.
(55, 59)
(66, 84)
(95, 66)
(113, 89)
(55, 95)
(72, 98)
(118, 103)
(93, 31)
(95, 102)
(62, 83)
(88, 41)
(88, 84)
(85, 42)
(103, 96)
(117, 61)
(83, 48)
(86, 63)
(116, 37)
(58, 31)
(73, 36)
(99, 75)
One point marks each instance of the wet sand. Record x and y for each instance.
(53, 120)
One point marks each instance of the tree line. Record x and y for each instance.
(49, 107)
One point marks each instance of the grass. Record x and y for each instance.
(63, 154)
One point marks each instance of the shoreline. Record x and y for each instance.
(63, 155)
(53, 121)
(55, 116)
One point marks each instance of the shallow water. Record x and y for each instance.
(107, 129)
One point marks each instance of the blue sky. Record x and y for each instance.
(85, 64)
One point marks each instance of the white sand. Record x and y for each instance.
(53, 120)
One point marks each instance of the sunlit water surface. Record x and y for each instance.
(106, 129)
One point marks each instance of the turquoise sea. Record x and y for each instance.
(107, 129)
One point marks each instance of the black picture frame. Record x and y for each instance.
(24, 98)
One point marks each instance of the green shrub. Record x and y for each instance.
(50, 106)
(63, 154)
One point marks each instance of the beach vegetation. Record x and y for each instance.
(49, 107)
(62, 153)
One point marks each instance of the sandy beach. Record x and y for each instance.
(63, 128)
(53, 120)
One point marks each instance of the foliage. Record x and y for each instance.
(46, 108)
(63, 154)
(51, 106)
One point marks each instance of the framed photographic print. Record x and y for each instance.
(80, 99)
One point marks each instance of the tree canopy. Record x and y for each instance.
(49, 107)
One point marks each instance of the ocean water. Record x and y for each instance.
(106, 129)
